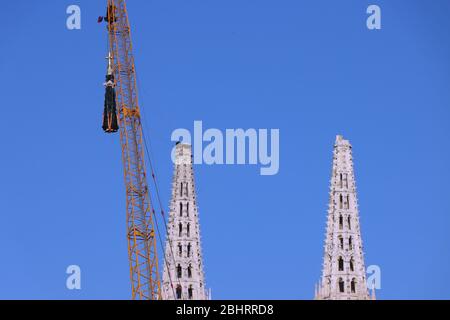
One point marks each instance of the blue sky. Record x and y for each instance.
(310, 68)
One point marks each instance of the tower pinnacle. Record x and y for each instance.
(183, 277)
(110, 68)
(343, 273)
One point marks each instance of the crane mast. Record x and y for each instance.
(142, 251)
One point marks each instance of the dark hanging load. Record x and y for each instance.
(110, 112)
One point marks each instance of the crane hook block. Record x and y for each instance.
(110, 15)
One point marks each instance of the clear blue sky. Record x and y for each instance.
(310, 68)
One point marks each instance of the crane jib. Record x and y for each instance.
(121, 103)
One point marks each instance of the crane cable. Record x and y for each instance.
(157, 190)
(161, 243)
(163, 216)
(158, 196)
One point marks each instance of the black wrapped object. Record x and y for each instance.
(110, 124)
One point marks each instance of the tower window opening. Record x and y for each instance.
(179, 292)
(341, 242)
(190, 271)
(340, 180)
(179, 271)
(349, 222)
(341, 285)
(181, 209)
(188, 229)
(348, 201)
(353, 286)
(346, 180)
(187, 209)
(190, 292)
(180, 249)
(341, 201)
(350, 243)
(181, 189)
(341, 222)
(189, 250)
(352, 265)
(187, 193)
(180, 229)
(341, 264)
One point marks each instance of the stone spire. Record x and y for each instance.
(183, 276)
(343, 270)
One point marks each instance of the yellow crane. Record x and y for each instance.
(122, 114)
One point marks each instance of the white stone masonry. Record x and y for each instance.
(183, 279)
(343, 270)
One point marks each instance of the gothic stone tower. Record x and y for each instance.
(343, 273)
(183, 277)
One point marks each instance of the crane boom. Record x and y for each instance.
(142, 251)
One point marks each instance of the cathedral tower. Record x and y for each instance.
(183, 277)
(343, 270)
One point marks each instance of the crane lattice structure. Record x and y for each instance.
(140, 224)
